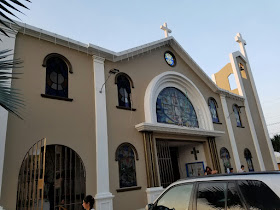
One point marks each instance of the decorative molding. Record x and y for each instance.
(57, 97)
(175, 129)
(126, 108)
(181, 82)
(125, 189)
(98, 59)
(104, 201)
(51, 55)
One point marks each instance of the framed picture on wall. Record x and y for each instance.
(195, 169)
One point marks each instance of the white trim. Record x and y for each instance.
(175, 129)
(153, 193)
(230, 132)
(214, 78)
(181, 82)
(241, 90)
(103, 196)
(6, 43)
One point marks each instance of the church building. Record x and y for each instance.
(122, 126)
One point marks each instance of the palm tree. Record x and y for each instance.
(10, 98)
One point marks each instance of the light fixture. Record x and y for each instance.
(112, 71)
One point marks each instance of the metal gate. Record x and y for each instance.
(164, 163)
(31, 178)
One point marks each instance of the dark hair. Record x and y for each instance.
(89, 199)
(242, 166)
(209, 168)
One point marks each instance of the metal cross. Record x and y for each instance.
(195, 152)
(166, 30)
(242, 43)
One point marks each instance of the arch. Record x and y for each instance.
(236, 111)
(63, 167)
(125, 75)
(248, 157)
(51, 55)
(185, 85)
(225, 156)
(212, 103)
(126, 144)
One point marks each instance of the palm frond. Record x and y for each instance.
(9, 7)
(10, 98)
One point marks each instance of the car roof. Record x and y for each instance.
(232, 176)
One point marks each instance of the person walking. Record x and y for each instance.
(88, 202)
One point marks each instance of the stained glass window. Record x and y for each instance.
(248, 157)
(56, 77)
(224, 155)
(124, 91)
(127, 170)
(174, 107)
(170, 58)
(213, 109)
(237, 115)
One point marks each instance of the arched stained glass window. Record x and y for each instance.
(125, 155)
(237, 115)
(124, 91)
(56, 77)
(213, 109)
(224, 155)
(174, 107)
(248, 157)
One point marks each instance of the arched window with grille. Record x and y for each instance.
(57, 67)
(224, 155)
(125, 155)
(213, 110)
(248, 157)
(124, 84)
(236, 111)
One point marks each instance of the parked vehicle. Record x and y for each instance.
(259, 190)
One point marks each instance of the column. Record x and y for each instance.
(230, 132)
(104, 199)
(214, 154)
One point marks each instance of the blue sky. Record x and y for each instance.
(205, 29)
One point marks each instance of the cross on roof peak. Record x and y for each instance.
(242, 43)
(166, 30)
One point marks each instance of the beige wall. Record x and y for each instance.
(61, 122)
(257, 120)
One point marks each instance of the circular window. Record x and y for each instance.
(170, 58)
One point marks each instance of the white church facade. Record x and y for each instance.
(122, 126)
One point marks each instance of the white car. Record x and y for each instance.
(260, 190)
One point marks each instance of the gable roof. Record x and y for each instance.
(92, 49)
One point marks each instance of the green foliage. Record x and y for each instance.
(276, 142)
(10, 98)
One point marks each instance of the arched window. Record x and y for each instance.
(125, 155)
(57, 67)
(248, 157)
(174, 107)
(236, 111)
(213, 109)
(124, 84)
(224, 155)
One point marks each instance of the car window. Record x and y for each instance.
(177, 198)
(258, 195)
(233, 199)
(211, 196)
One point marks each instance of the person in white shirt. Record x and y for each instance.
(88, 202)
(241, 169)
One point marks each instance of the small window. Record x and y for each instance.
(248, 157)
(177, 197)
(123, 82)
(125, 155)
(258, 195)
(213, 109)
(224, 155)
(211, 196)
(233, 199)
(236, 111)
